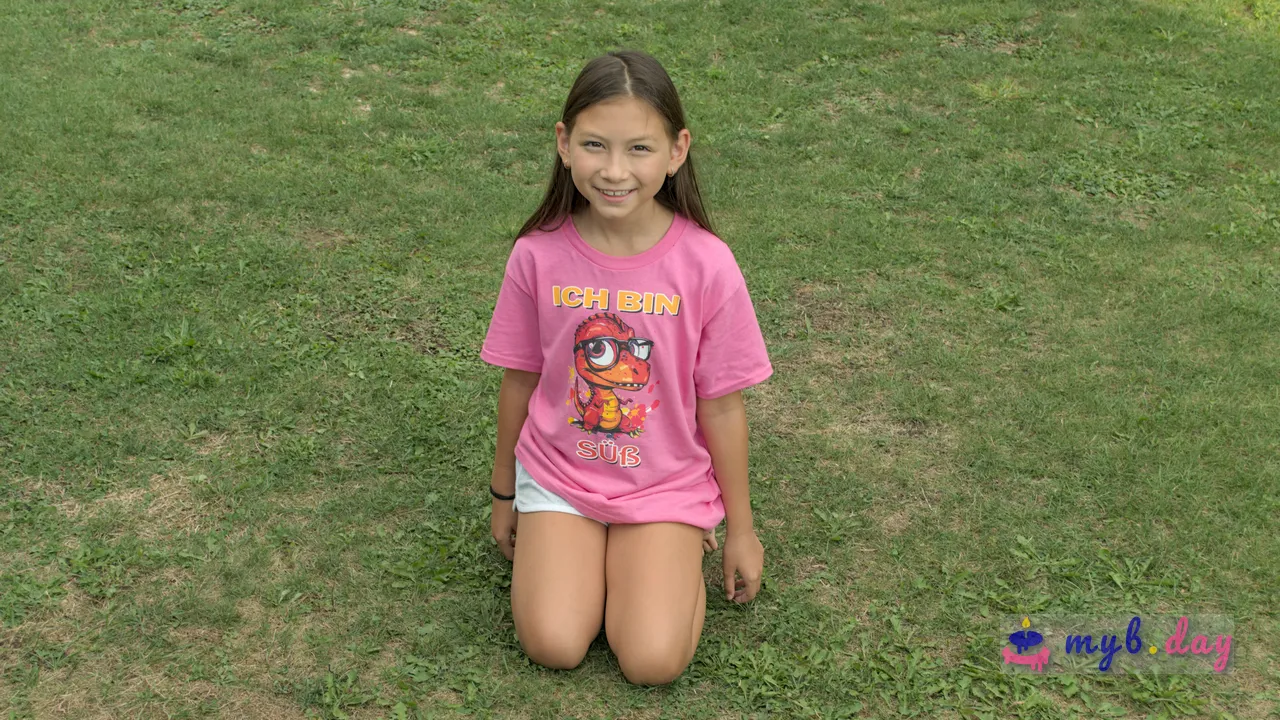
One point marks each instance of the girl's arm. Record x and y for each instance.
(513, 409)
(723, 421)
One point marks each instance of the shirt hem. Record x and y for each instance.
(593, 512)
(753, 379)
(498, 360)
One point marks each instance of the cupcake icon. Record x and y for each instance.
(1024, 640)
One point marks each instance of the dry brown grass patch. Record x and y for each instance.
(19, 561)
(172, 507)
(1138, 217)
(210, 444)
(449, 698)
(60, 625)
(834, 309)
(894, 523)
(873, 100)
(831, 110)
(778, 414)
(424, 336)
(264, 640)
(79, 693)
(642, 714)
(323, 238)
(199, 637)
(1254, 675)
(821, 590)
(165, 507)
(307, 502)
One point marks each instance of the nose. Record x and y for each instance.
(615, 170)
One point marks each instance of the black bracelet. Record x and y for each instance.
(500, 497)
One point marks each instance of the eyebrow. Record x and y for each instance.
(601, 137)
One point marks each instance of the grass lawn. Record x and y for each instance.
(1017, 264)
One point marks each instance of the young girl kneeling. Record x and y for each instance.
(627, 335)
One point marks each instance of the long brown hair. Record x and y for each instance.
(621, 73)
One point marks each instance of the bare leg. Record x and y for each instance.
(557, 587)
(656, 599)
(699, 614)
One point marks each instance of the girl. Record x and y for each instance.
(627, 335)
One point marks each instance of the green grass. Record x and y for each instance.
(1018, 266)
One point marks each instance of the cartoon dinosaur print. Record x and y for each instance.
(609, 357)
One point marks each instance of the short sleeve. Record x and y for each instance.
(731, 350)
(513, 340)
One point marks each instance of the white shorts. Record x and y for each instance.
(532, 497)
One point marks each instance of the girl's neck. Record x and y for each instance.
(626, 236)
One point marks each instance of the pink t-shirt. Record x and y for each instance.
(625, 345)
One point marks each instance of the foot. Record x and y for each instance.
(709, 541)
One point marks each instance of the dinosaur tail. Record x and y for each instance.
(577, 399)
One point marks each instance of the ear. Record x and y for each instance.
(562, 142)
(680, 149)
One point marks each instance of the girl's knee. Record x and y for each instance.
(654, 663)
(553, 650)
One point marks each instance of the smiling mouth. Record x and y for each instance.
(616, 193)
(629, 386)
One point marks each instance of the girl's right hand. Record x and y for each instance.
(502, 524)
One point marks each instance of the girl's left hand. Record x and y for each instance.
(709, 543)
(744, 556)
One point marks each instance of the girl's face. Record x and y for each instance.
(621, 145)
